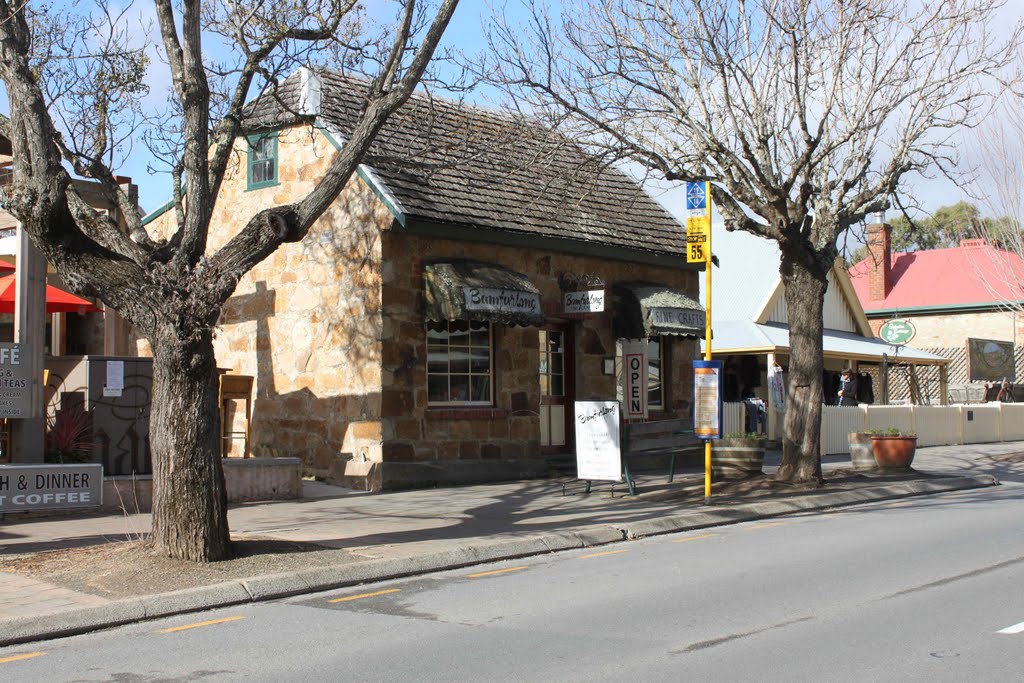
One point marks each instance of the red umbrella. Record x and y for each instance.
(57, 300)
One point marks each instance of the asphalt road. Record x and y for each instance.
(928, 589)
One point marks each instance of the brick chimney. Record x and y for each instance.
(879, 261)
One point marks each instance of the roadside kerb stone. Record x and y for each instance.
(72, 622)
(276, 586)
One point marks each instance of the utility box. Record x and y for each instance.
(116, 391)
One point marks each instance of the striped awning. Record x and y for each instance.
(487, 292)
(645, 309)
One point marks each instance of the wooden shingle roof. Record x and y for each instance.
(453, 164)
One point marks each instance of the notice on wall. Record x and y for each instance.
(15, 382)
(634, 379)
(707, 399)
(598, 455)
(591, 301)
(50, 487)
(114, 384)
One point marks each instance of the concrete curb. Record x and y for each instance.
(277, 586)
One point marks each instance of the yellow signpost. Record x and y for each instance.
(698, 250)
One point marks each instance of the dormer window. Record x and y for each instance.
(262, 160)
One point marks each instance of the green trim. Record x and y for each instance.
(253, 139)
(483, 235)
(382, 194)
(322, 127)
(989, 306)
(156, 213)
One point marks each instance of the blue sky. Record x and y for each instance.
(465, 33)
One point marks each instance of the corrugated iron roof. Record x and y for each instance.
(958, 276)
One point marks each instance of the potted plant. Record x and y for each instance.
(738, 455)
(68, 436)
(862, 454)
(894, 449)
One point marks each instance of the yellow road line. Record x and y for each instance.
(495, 572)
(607, 552)
(694, 538)
(765, 525)
(17, 658)
(212, 622)
(365, 595)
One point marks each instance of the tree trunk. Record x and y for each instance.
(190, 520)
(805, 282)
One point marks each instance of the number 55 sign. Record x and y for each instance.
(698, 223)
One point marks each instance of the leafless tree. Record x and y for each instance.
(805, 115)
(999, 150)
(172, 290)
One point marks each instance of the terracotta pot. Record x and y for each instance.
(862, 454)
(737, 457)
(894, 452)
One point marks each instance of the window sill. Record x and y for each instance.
(261, 186)
(466, 413)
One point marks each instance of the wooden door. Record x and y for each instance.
(556, 388)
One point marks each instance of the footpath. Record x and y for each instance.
(336, 538)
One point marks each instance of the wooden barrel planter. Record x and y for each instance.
(894, 453)
(736, 458)
(862, 452)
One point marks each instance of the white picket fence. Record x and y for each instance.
(934, 425)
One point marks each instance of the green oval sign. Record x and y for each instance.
(898, 331)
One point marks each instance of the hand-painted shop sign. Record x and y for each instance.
(501, 300)
(50, 487)
(897, 331)
(591, 301)
(598, 455)
(15, 383)
(677, 317)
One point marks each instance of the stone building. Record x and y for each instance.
(442, 315)
(958, 298)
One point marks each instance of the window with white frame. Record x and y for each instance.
(459, 363)
(655, 379)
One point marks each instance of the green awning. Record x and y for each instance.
(487, 292)
(645, 309)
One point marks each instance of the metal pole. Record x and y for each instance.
(707, 336)
(29, 333)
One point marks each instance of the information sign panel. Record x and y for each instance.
(50, 487)
(15, 382)
(707, 399)
(598, 455)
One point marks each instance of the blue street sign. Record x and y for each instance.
(695, 196)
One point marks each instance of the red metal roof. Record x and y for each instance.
(973, 273)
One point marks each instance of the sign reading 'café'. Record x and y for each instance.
(15, 385)
(500, 300)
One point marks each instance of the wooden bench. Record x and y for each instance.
(657, 437)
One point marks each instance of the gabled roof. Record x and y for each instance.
(748, 286)
(973, 274)
(451, 164)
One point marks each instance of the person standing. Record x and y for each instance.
(847, 388)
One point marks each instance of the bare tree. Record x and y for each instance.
(1000, 187)
(804, 114)
(171, 290)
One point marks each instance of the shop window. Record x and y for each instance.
(656, 384)
(655, 380)
(459, 368)
(262, 165)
